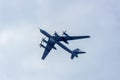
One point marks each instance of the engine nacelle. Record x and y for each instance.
(41, 45)
(44, 40)
(56, 34)
(64, 33)
(66, 41)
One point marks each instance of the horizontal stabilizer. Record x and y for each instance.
(76, 52)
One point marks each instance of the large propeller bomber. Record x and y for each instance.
(58, 39)
(56, 34)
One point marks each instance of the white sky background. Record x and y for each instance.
(20, 55)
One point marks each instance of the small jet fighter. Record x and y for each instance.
(56, 39)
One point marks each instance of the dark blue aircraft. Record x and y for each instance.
(56, 39)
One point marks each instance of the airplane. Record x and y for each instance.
(56, 39)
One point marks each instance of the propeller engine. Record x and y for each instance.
(64, 33)
(41, 45)
(56, 34)
(43, 39)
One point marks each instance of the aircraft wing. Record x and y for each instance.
(47, 50)
(65, 38)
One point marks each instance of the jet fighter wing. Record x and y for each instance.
(67, 38)
(47, 49)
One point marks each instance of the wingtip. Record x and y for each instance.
(42, 58)
(40, 30)
(84, 52)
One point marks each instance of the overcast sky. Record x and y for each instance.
(20, 55)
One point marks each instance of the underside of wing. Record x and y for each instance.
(73, 38)
(47, 50)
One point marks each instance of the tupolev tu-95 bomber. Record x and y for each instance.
(56, 39)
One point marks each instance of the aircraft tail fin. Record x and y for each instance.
(76, 52)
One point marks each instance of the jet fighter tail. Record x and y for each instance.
(76, 52)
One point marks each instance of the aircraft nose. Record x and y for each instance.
(41, 30)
